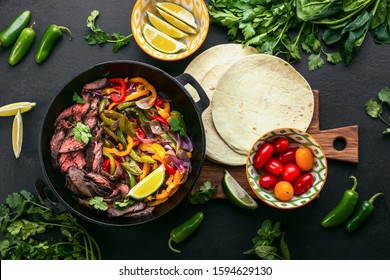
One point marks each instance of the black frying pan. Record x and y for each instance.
(181, 100)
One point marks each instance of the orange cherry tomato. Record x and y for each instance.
(304, 158)
(284, 191)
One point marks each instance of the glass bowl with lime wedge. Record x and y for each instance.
(170, 30)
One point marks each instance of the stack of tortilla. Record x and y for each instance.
(250, 94)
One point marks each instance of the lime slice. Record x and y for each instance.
(149, 184)
(165, 27)
(160, 41)
(17, 134)
(13, 108)
(178, 12)
(236, 193)
(176, 22)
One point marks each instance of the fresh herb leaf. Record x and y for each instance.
(384, 95)
(284, 251)
(373, 108)
(123, 204)
(334, 57)
(100, 37)
(98, 203)
(176, 123)
(205, 193)
(81, 133)
(315, 61)
(76, 98)
(30, 232)
(266, 252)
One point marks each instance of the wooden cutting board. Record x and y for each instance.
(213, 172)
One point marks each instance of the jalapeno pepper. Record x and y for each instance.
(343, 209)
(361, 214)
(185, 230)
(22, 45)
(10, 34)
(49, 39)
(122, 90)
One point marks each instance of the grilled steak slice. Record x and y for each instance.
(66, 115)
(55, 144)
(98, 84)
(70, 145)
(67, 160)
(94, 156)
(100, 180)
(118, 172)
(77, 183)
(91, 118)
(113, 212)
(120, 192)
(142, 213)
(80, 110)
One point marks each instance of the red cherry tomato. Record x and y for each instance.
(274, 166)
(303, 184)
(291, 173)
(263, 155)
(304, 158)
(281, 145)
(268, 181)
(288, 156)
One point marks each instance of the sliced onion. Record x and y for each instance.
(186, 143)
(144, 103)
(156, 127)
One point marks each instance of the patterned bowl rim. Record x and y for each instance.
(170, 57)
(260, 188)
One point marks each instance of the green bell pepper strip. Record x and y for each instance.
(362, 213)
(103, 104)
(143, 159)
(185, 230)
(49, 39)
(121, 138)
(22, 45)
(108, 121)
(343, 209)
(132, 181)
(11, 32)
(124, 105)
(127, 126)
(132, 167)
(138, 114)
(109, 132)
(176, 123)
(112, 162)
(112, 114)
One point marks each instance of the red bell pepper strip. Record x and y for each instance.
(161, 120)
(158, 102)
(122, 90)
(169, 169)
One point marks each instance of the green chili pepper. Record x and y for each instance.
(185, 230)
(49, 39)
(142, 159)
(344, 208)
(112, 162)
(10, 34)
(361, 214)
(132, 167)
(103, 104)
(22, 45)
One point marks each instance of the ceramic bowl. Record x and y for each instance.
(297, 138)
(197, 7)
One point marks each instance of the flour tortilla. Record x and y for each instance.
(256, 94)
(216, 148)
(213, 56)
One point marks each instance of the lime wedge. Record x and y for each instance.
(165, 27)
(235, 193)
(178, 12)
(149, 184)
(160, 41)
(13, 108)
(17, 134)
(177, 22)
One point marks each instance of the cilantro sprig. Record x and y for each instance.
(82, 133)
(264, 243)
(30, 230)
(100, 37)
(76, 98)
(205, 192)
(375, 109)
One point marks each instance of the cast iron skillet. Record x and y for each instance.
(181, 100)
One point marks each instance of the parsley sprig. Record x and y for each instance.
(31, 230)
(82, 133)
(375, 108)
(205, 192)
(100, 37)
(264, 243)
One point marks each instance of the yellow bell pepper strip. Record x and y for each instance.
(154, 94)
(166, 106)
(108, 91)
(136, 95)
(112, 161)
(138, 80)
(145, 170)
(115, 151)
(112, 106)
(155, 148)
(142, 159)
(157, 202)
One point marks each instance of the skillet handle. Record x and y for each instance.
(204, 100)
(43, 190)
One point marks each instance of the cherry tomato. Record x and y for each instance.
(303, 184)
(281, 145)
(268, 181)
(288, 156)
(284, 191)
(263, 155)
(274, 166)
(304, 158)
(291, 173)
